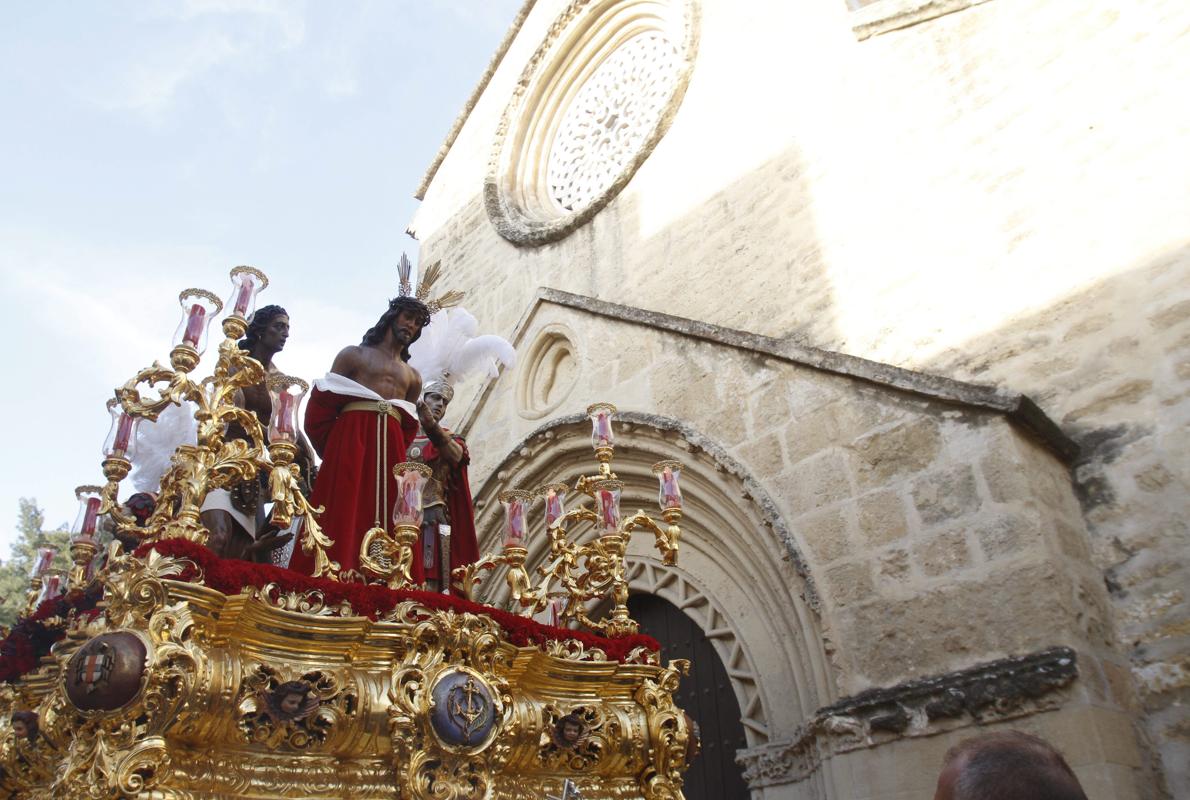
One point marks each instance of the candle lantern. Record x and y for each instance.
(670, 493)
(554, 496)
(246, 284)
(121, 437)
(41, 561)
(601, 425)
(87, 522)
(516, 526)
(607, 501)
(199, 308)
(286, 393)
(51, 587)
(411, 481)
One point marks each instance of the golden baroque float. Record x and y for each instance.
(178, 674)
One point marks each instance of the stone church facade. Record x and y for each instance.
(906, 286)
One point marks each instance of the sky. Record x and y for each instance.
(148, 147)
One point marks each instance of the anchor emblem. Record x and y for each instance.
(467, 706)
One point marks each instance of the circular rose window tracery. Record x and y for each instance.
(593, 102)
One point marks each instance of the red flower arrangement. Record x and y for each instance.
(31, 638)
(231, 576)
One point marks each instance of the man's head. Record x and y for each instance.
(437, 396)
(1008, 765)
(269, 328)
(405, 318)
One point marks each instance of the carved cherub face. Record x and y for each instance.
(569, 731)
(24, 725)
(292, 702)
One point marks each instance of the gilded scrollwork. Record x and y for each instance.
(280, 709)
(668, 733)
(576, 739)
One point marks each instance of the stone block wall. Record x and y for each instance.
(939, 537)
(998, 195)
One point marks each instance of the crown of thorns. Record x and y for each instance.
(425, 285)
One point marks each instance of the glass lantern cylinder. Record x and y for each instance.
(121, 437)
(199, 308)
(516, 526)
(41, 561)
(86, 523)
(411, 482)
(51, 587)
(607, 506)
(601, 425)
(286, 393)
(668, 474)
(554, 497)
(246, 284)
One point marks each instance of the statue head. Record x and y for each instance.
(25, 724)
(292, 701)
(569, 730)
(402, 311)
(269, 327)
(437, 396)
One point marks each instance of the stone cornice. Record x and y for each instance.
(1018, 408)
(1002, 689)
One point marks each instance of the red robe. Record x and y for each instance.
(464, 549)
(347, 480)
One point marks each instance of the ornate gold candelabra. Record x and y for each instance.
(214, 460)
(390, 554)
(591, 570)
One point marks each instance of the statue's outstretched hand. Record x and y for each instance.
(268, 540)
(425, 416)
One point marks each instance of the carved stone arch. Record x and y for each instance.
(738, 570)
(650, 576)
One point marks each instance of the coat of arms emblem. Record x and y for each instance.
(94, 666)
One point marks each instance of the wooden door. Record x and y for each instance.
(705, 694)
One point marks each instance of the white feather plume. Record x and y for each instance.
(157, 441)
(450, 350)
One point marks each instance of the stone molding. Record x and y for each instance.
(1025, 414)
(1002, 689)
(695, 441)
(652, 577)
(882, 16)
(457, 127)
(586, 40)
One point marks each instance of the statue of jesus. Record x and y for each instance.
(360, 419)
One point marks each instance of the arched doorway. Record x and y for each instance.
(706, 695)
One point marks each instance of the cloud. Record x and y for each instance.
(185, 44)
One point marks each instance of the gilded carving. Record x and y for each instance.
(278, 709)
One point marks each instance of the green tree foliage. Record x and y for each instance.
(14, 571)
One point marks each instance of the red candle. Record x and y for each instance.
(87, 530)
(45, 557)
(671, 497)
(244, 296)
(609, 510)
(516, 523)
(194, 325)
(603, 428)
(285, 413)
(553, 508)
(123, 435)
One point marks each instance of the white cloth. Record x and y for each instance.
(220, 500)
(340, 384)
